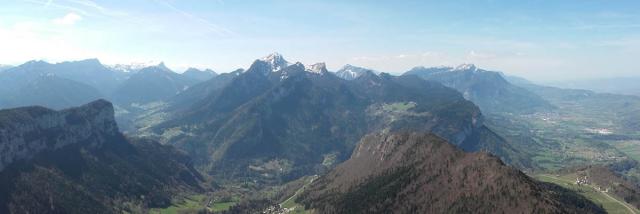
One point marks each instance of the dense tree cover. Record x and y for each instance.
(276, 126)
(418, 173)
(102, 173)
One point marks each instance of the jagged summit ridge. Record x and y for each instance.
(465, 67)
(438, 69)
(134, 66)
(318, 68)
(160, 66)
(276, 61)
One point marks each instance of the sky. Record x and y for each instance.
(539, 40)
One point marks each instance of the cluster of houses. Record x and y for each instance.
(275, 209)
(602, 189)
(585, 181)
(582, 180)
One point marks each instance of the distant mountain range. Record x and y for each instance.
(40, 83)
(155, 83)
(76, 161)
(200, 75)
(139, 84)
(68, 84)
(487, 89)
(350, 72)
(51, 91)
(280, 122)
(132, 67)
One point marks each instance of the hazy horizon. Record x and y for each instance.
(542, 41)
(357, 106)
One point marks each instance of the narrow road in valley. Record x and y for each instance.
(299, 191)
(631, 210)
(625, 204)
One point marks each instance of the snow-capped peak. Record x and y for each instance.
(465, 67)
(276, 61)
(350, 72)
(135, 66)
(317, 68)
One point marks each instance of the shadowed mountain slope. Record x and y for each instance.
(76, 161)
(277, 123)
(422, 173)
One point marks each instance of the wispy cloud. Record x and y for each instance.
(214, 28)
(69, 19)
(90, 8)
(83, 7)
(102, 10)
(50, 3)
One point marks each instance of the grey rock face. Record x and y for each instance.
(27, 131)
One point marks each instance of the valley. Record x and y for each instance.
(319, 107)
(580, 130)
(270, 138)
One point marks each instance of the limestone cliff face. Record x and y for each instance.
(27, 131)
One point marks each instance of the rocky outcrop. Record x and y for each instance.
(76, 161)
(27, 131)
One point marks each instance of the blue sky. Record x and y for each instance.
(540, 40)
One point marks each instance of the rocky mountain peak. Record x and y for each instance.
(465, 67)
(276, 61)
(351, 72)
(161, 67)
(318, 68)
